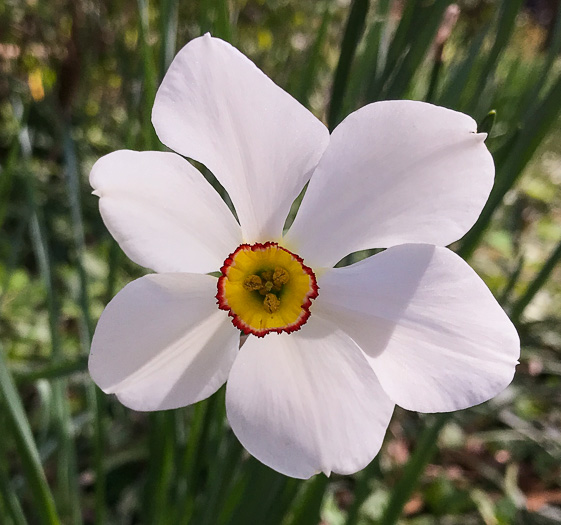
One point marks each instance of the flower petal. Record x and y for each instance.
(432, 331)
(162, 343)
(217, 107)
(162, 212)
(307, 402)
(394, 172)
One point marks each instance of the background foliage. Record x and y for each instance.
(78, 80)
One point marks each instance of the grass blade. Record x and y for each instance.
(427, 21)
(424, 451)
(19, 425)
(168, 32)
(309, 506)
(512, 159)
(536, 285)
(506, 23)
(309, 76)
(353, 32)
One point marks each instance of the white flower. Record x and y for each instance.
(412, 326)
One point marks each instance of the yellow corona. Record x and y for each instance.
(266, 288)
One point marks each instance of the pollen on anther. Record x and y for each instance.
(266, 288)
(271, 303)
(280, 276)
(253, 283)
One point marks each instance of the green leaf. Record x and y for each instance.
(424, 450)
(353, 33)
(19, 426)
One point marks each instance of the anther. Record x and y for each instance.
(252, 283)
(271, 303)
(280, 276)
(267, 275)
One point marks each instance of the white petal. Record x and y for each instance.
(162, 342)
(163, 213)
(432, 331)
(307, 402)
(217, 107)
(394, 172)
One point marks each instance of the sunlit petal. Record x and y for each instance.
(161, 342)
(307, 402)
(432, 331)
(394, 172)
(162, 212)
(217, 107)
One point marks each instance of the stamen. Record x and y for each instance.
(280, 276)
(253, 283)
(271, 303)
(266, 288)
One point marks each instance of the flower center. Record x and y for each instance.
(265, 288)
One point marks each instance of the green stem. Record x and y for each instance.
(27, 450)
(424, 451)
(536, 284)
(54, 371)
(351, 38)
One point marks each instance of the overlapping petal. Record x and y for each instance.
(162, 212)
(394, 172)
(432, 331)
(215, 106)
(161, 343)
(307, 402)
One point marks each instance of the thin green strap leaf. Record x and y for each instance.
(351, 38)
(68, 488)
(536, 285)
(427, 21)
(460, 75)
(309, 506)
(506, 293)
(168, 33)
(193, 461)
(222, 26)
(308, 78)
(214, 17)
(221, 479)
(424, 451)
(486, 125)
(506, 23)
(149, 77)
(8, 497)
(362, 490)
(160, 469)
(531, 97)
(95, 398)
(19, 425)
(54, 371)
(365, 71)
(261, 496)
(511, 160)
(434, 79)
(396, 51)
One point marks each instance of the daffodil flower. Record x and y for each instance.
(329, 351)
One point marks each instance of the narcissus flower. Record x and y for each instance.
(329, 351)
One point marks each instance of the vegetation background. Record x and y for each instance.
(78, 79)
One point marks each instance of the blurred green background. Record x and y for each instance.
(77, 80)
